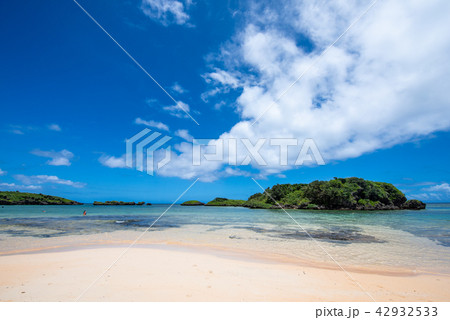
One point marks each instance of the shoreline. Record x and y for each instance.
(222, 251)
(179, 272)
(242, 242)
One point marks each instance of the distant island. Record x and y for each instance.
(224, 202)
(192, 203)
(119, 203)
(25, 198)
(336, 194)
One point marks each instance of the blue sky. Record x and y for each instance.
(376, 104)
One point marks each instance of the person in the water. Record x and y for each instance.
(84, 213)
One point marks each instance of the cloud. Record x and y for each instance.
(444, 188)
(13, 186)
(58, 158)
(167, 12)
(385, 82)
(236, 172)
(42, 179)
(219, 105)
(178, 110)
(151, 123)
(437, 192)
(54, 127)
(23, 129)
(221, 77)
(415, 184)
(112, 162)
(2, 173)
(181, 166)
(184, 134)
(178, 88)
(17, 131)
(221, 82)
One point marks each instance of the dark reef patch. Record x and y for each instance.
(344, 235)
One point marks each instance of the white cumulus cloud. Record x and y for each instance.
(437, 192)
(153, 124)
(112, 162)
(42, 179)
(443, 188)
(178, 88)
(167, 12)
(57, 158)
(184, 134)
(18, 187)
(385, 82)
(179, 110)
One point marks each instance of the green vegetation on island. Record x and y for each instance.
(192, 203)
(224, 202)
(25, 198)
(119, 203)
(336, 194)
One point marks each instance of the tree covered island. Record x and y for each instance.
(336, 194)
(25, 198)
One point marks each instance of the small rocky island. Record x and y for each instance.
(25, 198)
(224, 202)
(192, 203)
(119, 203)
(336, 194)
(217, 202)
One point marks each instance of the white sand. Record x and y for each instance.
(193, 273)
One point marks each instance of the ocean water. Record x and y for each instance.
(413, 240)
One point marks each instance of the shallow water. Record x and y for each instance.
(406, 239)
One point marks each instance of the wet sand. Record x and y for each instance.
(169, 271)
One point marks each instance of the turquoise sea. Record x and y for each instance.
(407, 239)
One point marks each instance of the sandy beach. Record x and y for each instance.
(183, 272)
(218, 254)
